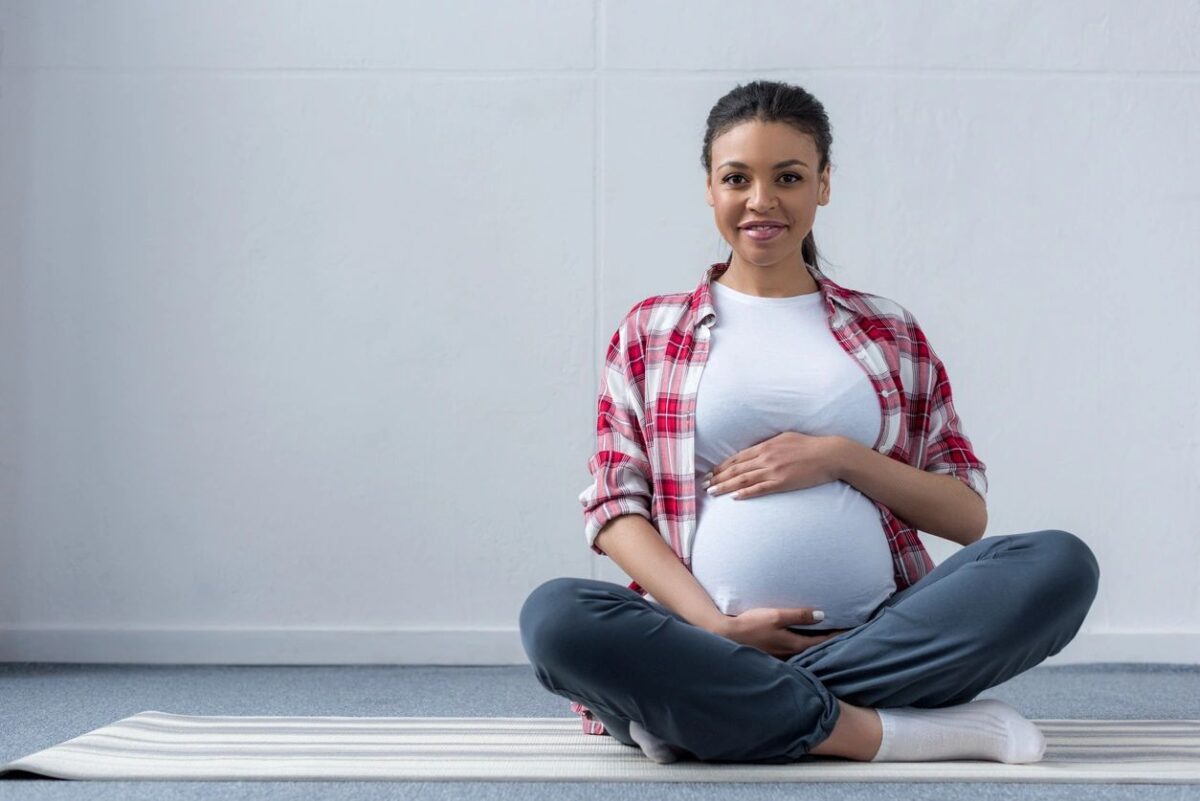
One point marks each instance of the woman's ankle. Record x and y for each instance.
(857, 734)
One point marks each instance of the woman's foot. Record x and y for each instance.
(657, 749)
(988, 729)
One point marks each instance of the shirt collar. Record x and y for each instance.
(702, 302)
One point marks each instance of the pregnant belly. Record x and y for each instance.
(822, 547)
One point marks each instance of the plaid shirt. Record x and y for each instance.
(644, 461)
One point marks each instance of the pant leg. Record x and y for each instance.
(987, 613)
(628, 658)
(990, 611)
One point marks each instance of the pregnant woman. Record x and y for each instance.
(768, 446)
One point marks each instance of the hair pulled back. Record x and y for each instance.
(772, 101)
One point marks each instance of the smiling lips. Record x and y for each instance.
(762, 233)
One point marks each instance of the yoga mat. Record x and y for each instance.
(160, 746)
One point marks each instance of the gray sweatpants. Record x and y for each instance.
(990, 611)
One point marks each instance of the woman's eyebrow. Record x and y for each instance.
(787, 163)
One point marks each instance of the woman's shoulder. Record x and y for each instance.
(657, 314)
(871, 304)
(885, 317)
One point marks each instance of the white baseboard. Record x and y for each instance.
(375, 646)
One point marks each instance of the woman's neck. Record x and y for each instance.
(769, 282)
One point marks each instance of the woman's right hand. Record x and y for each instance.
(765, 628)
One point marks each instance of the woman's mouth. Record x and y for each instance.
(764, 233)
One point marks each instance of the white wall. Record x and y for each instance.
(303, 305)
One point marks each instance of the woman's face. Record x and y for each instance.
(758, 189)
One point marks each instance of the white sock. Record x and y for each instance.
(659, 750)
(986, 729)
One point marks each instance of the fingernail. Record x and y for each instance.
(818, 615)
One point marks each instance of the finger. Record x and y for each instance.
(726, 465)
(804, 614)
(741, 483)
(749, 489)
(731, 484)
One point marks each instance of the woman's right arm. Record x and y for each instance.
(617, 509)
(617, 504)
(636, 546)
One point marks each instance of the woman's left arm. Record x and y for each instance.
(937, 503)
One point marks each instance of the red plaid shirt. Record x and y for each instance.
(644, 461)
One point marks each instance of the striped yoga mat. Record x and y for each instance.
(162, 746)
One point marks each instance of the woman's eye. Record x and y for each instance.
(785, 175)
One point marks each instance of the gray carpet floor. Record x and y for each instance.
(44, 704)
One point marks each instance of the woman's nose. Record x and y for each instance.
(763, 200)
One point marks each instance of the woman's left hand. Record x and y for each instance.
(785, 462)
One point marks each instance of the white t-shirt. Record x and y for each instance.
(773, 366)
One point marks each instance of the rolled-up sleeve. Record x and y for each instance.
(944, 445)
(621, 472)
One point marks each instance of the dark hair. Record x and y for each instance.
(772, 101)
